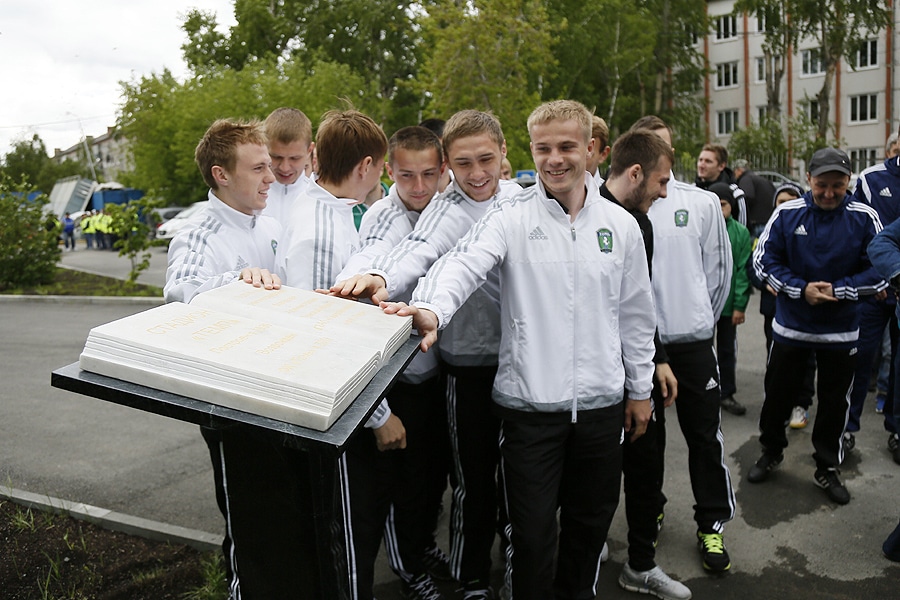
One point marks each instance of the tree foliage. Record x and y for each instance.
(28, 161)
(132, 233)
(29, 238)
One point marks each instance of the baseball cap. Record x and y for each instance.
(829, 159)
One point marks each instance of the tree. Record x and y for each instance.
(28, 161)
(132, 233)
(491, 55)
(776, 46)
(29, 238)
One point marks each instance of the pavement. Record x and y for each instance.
(787, 539)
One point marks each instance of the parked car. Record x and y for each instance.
(778, 179)
(158, 216)
(166, 231)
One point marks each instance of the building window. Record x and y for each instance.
(863, 158)
(812, 61)
(726, 27)
(812, 110)
(867, 55)
(864, 108)
(763, 68)
(727, 122)
(726, 75)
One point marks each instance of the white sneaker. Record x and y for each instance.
(799, 418)
(655, 582)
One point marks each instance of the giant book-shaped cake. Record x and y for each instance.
(288, 354)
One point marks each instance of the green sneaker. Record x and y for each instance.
(712, 549)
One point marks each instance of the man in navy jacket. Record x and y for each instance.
(813, 254)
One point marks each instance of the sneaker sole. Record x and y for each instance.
(628, 587)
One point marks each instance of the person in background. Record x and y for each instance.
(758, 192)
(735, 305)
(289, 134)
(600, 152)
(712, 167)
(505, 169)
(68, 230)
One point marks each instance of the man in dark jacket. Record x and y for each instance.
(813, 254)
(758, 194)
(712, 167)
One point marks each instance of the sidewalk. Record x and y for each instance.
(110, 264)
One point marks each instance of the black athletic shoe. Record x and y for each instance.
(765, 465)
(828, 480)
(712, 549)
(422, 588)
(848, 441)
(437, 564)
(733, 406)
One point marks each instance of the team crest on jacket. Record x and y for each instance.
(274, 246)
(605, 239)
(681, 217)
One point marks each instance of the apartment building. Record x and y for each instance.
(863, 107)
(109, 154)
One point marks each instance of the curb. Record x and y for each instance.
(134, 300)
(151, 530)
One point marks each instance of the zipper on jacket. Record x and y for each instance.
(575, 328)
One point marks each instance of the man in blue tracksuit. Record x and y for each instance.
(878, 186)
(813, 254)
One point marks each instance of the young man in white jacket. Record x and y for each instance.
(474, 145)
(393, 492)
(691, 279)
(289, 134)
(577, 324)
(269, 546)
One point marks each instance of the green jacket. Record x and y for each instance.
(741, 247)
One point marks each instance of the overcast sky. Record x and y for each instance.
(61, 61)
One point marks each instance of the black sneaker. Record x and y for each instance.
(733, 406)
(848, 441)
(765, 465)
(421, 588)
(712, 549)
(477, 589)
(828, 480)
(437, 564)
(894, 447)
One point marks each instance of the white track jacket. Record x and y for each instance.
(577, 316)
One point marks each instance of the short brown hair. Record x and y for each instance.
(600, 132)
(218, 146)
(720, 152)
(562, 110)
(651, 122)
(414, 138)
(639, 147)
(467, 123)
(346, 137)
(287, 125)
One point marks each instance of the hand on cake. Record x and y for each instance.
(425, 321)
(261, 278)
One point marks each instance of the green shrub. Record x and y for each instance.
(29, 237)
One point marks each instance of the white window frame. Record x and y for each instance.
(761, 112)
(762, 66)
(727, 75)
(812, 109)
(726, 28)
(811, 64)
(863, 108)
(863, 158)
(726, 122)
(868, 53)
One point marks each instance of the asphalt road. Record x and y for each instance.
(786, 541)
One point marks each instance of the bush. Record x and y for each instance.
(132, 233)
(29, 237)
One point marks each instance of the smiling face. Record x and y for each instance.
(560, 157)
(417, 174)
(289, 161)
(246, 187)
(475, 161)
(708, 166)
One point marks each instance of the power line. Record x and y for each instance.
(34, 125)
